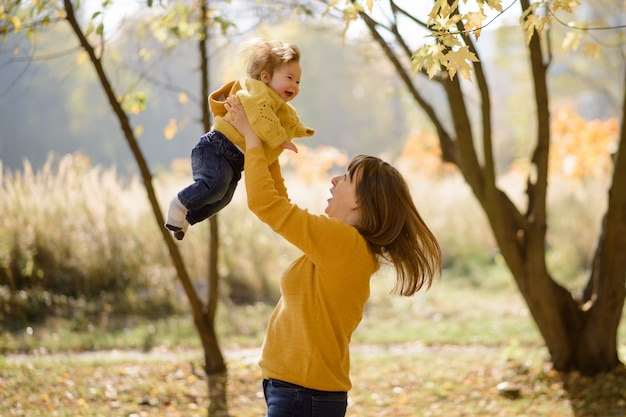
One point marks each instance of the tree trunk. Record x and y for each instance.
(579, 334)
(204, 317)
(215, 367)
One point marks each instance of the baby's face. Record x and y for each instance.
(286, 81)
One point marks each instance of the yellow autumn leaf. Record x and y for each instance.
(460, 61)
(495, 5)
(474, 22)
(183, 98)
(571, 40)
(139, 131)
(170, 130)
(530, 24)
(145, 54)
(428, 57)
(17, 24)
(591, 49)
(566, 5)
(81, 58)
(89, 29)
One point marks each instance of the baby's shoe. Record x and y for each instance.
(178, 232)
(176, 219)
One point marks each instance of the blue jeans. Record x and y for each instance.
(289, 400)
(216, 165)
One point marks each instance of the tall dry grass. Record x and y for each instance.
(79, 241)
(70, 244)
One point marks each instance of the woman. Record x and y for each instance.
(371, 218)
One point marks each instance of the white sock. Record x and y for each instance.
(176, 214)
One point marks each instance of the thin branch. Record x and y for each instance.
(448, 146)
(48, 56)
(396, 8)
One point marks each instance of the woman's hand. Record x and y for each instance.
(241, 123)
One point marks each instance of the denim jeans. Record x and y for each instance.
(289, 400)
(216, 165)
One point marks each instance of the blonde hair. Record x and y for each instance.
(392, 226)
(262, 55)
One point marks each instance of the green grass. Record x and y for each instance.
(453, 311)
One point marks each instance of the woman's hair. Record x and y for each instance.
(263, 55)
(392, 226)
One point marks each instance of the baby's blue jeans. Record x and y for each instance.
(216, 165)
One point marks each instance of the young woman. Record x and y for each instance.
(370, 218)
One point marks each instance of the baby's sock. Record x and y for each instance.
(176, 220)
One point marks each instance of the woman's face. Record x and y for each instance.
(343, 203)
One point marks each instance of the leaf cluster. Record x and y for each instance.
(17, 18)
(450, 24)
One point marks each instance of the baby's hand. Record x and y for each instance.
(289, 145)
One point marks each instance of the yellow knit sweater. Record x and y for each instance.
(272, 118)
(323, 292)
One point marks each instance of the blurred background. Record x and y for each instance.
(79, 240)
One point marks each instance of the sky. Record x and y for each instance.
(113, 15)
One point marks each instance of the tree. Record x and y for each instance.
(580, 332)
(15, 17)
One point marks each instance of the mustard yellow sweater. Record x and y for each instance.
(323, 292)
(272, 118)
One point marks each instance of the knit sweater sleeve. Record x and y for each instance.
(318, 236)
(279, 181)
(261, 108)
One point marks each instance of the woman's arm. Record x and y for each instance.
(324, 240)
(279, 181)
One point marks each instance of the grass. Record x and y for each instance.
(441, 353)
(404, 380)
(454, 311)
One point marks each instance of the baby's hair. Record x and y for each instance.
(263, 55)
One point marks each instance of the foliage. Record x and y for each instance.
(583, 150)
(448, 22)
